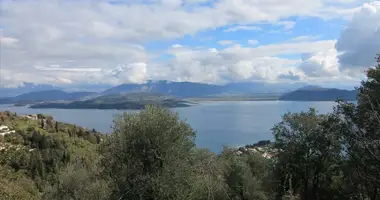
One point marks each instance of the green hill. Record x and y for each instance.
(35, 150)
(319, 94)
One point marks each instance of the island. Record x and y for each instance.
(320, 94)
(20, 104)
(119, 101)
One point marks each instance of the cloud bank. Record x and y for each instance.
(77, 42)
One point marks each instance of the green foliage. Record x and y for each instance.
(244, 175)
(15, 186)
(79, 182)
(333, 156)
(361, 137)
(308, 154)
(144, 146)
(38, 154)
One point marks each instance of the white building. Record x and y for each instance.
(5, 130)
(31, 116)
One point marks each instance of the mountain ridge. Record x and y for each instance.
(319, 94)
(119, 101)
(47, 95)
(192, 89)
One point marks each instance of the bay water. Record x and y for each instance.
(232, 123)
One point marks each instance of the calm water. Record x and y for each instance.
(217, 123)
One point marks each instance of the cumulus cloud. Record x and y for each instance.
(131, 73)
(321, 64)
(290, 75)
(53, 41)
(237, 63)
(359, 42)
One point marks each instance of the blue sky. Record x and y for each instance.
(269, 34)
(113, 42)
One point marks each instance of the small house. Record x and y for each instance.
(5, 130)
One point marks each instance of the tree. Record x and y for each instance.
(244, 175)
(361, 134)
(80, 132)
(148, 155)
(92, 138)
(42, 123)
(80, 183)
(307, 151)
(17, 187)
(57, 126)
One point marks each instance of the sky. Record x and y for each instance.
(73, 42)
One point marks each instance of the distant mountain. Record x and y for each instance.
(178, 89)
(119, 101)
(90, 87)
(190, 89)
(319, 94)
(49, 95)
(312, 88)
(25, 88)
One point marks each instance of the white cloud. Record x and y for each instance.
(244, 28)
(281, 49)
(7, 41)
(304, 38)
(247, 63)
(359, 42)
(131, 73)
(43, 68)
(321, 64)
(196, 1)
(253, 42)
(226, 42)
(176, 46)
(287, 24)
(97, 37)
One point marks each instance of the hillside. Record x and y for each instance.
(35, 150)
(319, 94)
(119, 101)
(47, 95)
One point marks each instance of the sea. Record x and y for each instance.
(217, 124)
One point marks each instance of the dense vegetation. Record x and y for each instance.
(151, 155)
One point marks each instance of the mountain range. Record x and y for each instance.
(47, 95)
(25, 88)
(119, 101)
(191, 89)
(286, 92)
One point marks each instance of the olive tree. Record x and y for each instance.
(151, 155)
